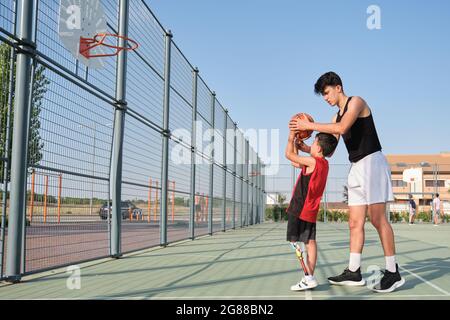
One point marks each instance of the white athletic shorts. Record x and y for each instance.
(369, 181)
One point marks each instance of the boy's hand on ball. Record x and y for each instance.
(301, 146)
(299, 143)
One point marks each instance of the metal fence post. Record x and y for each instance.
(119, 126)
(22, 108)
(258, 193)
(211, 169)
(255, 187)
(166, 134)
(30, 103)
(224, 213)
(242, 187)
(263, 186)
(256, 179)
(193, 152)
(261, 213)
(234, 175)
(252, 187)
(435, 178)
(247, 177)
(7, 159)
(254, 170)
(257, 213)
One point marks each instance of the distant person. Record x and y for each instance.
(436, 209)
(198, 207)
(412, 210)
(305, 201)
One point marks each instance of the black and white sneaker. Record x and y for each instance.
(348, 278)
(390, 281)
(305, 284)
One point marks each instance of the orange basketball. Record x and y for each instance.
(303, 134)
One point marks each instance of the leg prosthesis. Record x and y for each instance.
(299, 253)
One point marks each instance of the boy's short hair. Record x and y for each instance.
(437, 194)
(327, 79)
(327, 142)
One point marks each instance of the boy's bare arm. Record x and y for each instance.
(294, 157)
(338, 136)
(296, 152)
(296, 164)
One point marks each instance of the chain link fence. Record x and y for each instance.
(94, 170)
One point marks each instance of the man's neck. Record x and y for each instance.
(342, 101)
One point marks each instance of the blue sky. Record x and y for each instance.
(262, 58)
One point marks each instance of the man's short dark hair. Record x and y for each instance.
(327, 142)
(437, 195)
(327, 79)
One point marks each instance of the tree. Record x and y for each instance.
(35, 144)
(281, 198)
(345, 195)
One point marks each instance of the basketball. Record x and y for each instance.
(303, 134)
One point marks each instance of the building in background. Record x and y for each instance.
(421, 175)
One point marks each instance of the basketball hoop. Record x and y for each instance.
(88, 44)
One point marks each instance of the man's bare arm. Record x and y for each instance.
(355, 107)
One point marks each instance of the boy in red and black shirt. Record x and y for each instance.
(306, 196)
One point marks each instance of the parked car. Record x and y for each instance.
(125, 207)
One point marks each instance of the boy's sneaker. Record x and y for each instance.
(348, 278)
(390, 281)
(305, 284)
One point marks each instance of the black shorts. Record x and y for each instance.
(299, 230)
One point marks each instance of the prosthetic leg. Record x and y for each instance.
(299, 253)
(308, 281)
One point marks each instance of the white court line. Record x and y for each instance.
(308, 295)
(426, 281)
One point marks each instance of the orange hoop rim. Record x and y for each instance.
(93, 42)
(104, 35)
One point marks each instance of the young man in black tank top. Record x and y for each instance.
(369, 179)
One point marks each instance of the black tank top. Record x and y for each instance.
(300, 192)
(361, 139)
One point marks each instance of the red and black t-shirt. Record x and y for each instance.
(308, 191)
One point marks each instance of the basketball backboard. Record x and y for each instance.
(81, 19)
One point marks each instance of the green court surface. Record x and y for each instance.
(252, 263)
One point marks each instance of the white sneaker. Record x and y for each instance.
(305, 284)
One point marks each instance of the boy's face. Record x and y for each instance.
(331, 94)
(315, 148)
